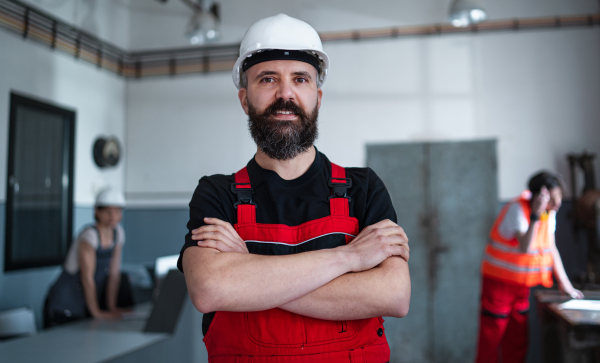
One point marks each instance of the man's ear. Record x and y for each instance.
(242, 95)
(319, 96)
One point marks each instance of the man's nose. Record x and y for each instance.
(285, 90)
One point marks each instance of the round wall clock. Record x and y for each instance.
(107, 151)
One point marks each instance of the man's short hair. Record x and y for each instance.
(244, 80)
(545, 179)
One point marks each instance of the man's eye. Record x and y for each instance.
(267, 80)
(301, 80)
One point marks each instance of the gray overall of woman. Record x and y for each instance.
(66, 300)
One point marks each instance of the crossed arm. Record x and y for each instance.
(368, 277)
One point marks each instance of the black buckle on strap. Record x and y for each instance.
(244, 195)
(339, 190)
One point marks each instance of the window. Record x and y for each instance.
(39, 195)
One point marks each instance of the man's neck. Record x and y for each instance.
(288, 169)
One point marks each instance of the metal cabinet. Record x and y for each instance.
(445, 196)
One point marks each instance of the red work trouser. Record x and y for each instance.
(503, 322)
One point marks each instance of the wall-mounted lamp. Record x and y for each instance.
(466, 12)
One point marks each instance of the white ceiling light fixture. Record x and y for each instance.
(467, 12)
(204, 25)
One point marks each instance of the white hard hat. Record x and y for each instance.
(110, 198)
(285, 33)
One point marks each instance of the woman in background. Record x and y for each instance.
(521, 254)
(91, 278)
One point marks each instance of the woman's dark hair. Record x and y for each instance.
(96, 210)
(545, 179)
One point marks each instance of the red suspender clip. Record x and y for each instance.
(244, 193)
(339, 187)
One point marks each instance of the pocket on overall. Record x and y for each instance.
(328, 331)
(275, 327)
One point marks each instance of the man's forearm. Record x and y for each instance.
(381, 291)
(234, 281)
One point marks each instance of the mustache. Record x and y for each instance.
(282, 105)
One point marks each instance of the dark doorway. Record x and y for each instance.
(39, 189)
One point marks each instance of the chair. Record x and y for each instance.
(17, 322)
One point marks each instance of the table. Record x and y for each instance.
(83, 341)
(568, 336)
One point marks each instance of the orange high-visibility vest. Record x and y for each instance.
(504, 261)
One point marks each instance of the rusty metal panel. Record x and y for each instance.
(402, 168)
(445, 195)
(463, 201)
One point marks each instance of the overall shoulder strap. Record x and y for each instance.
(246, 208)
(99, 247)
(339, 184)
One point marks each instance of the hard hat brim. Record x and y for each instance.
(236, 73)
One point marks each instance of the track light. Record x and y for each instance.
(466, 12)
(204, 24)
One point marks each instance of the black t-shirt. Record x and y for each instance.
(289, 202)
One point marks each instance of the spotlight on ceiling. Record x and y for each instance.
(466, 12)
(205, 22)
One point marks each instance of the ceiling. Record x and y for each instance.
(151, 24)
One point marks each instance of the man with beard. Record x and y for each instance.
(292, 258)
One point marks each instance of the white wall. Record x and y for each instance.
(97, 96)
(106, 19)
(535, 91)
(180, 129)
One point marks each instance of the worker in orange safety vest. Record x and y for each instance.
(520, 254)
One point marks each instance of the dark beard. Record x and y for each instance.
(283, 140)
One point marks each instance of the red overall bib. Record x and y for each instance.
(277, 335)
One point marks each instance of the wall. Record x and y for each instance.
(535, 91)
(106, 19)
(153, 232)
(98, 98)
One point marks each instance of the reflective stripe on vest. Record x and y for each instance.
(277, 335)
(503, 259)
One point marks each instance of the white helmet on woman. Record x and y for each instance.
(281, 32)
(110, 198)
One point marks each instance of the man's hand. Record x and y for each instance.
(376, 243)
(219, 235)
(540, 201)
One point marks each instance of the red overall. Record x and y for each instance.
(277, 335)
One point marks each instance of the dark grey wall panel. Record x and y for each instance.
(82, 216)
(152, 233)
